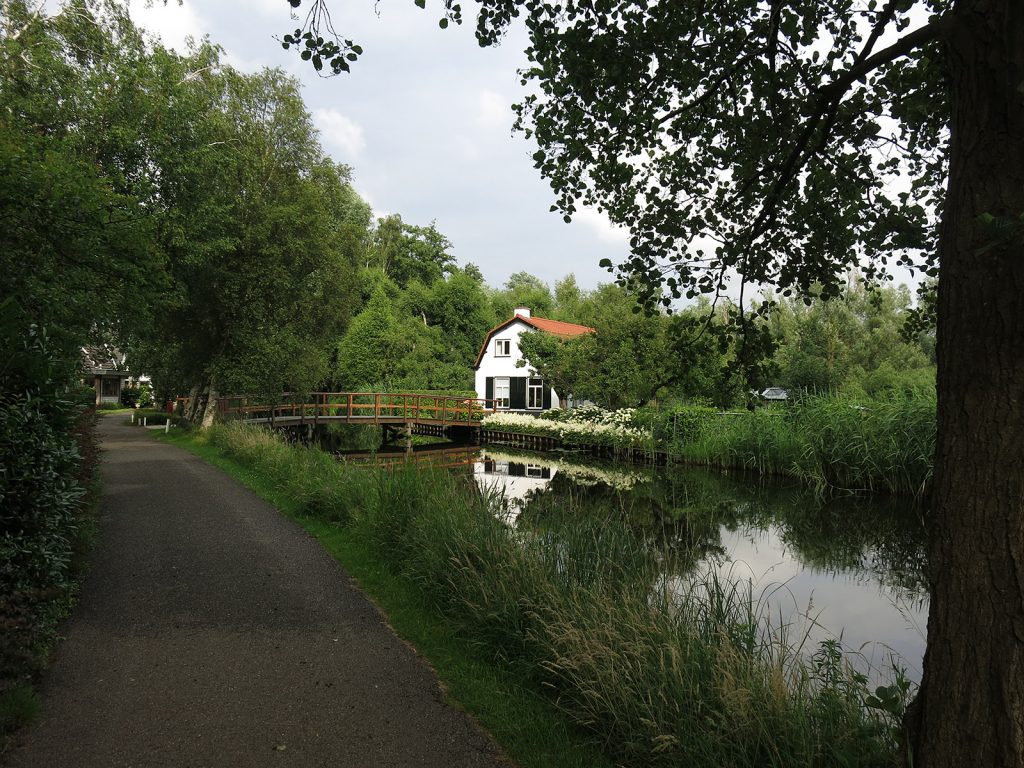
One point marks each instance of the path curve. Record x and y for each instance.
(212, 632)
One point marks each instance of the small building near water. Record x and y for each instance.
(105, 371)
(775, 395)
(513, 387)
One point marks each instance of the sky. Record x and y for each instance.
(425, 121)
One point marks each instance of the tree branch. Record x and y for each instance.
(826, 105)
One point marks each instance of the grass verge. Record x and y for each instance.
(530, 730)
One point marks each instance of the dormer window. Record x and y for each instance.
(502, 347)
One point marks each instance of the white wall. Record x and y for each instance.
(506, 366)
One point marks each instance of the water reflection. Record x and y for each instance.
(850, 568)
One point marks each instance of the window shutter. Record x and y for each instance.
(547, 398)
(489, 388)
(517, 393)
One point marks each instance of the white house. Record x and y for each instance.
(104, 369)
(497, 376)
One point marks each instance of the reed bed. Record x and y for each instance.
(832, 442)
(681, 671)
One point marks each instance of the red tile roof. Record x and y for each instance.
(554, 327)
(557, 327)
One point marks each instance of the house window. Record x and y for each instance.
(535, 393)
(501, 391)
(110, 388)
(502, 347)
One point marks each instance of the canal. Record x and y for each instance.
(848, 568)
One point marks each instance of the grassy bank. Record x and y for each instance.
(660, 671)
(830, 442)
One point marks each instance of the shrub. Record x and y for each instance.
(47, 456)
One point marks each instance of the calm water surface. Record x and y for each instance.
(848, 568)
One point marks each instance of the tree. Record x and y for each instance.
(856, 342)
(260, 229)
(404, 252)
(786, 142)
(623, 364)
(523, 290)
(76, 248)
(370, 351)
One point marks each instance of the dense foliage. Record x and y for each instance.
(47, 457)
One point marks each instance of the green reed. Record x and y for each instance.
(831, 442)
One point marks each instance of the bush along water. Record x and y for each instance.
(47, 460)
(664, 668)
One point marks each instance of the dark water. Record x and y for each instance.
(850, 568)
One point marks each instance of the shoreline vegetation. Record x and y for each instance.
(832, 443)
(583, 616)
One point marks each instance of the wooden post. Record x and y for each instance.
(348, 418)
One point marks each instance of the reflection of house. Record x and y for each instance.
(497, 376)
(513, 480)
(104, 369)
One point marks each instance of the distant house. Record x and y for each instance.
(775, 395)
(497, 376)
(105, 371)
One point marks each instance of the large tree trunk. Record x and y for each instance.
(970, 711)
(202, 406)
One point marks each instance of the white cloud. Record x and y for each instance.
(340, 132)
(601, 226)
(172, 23)
(376, 212)
(494, 110)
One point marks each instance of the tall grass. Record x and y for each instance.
(830, 442)
(665, 675)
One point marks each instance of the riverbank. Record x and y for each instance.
(832, 443)
(660, 676)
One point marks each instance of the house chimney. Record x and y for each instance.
(521, 311)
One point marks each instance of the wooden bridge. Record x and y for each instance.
(385, 409)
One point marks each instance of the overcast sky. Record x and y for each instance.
(425, 121)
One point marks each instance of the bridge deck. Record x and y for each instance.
(358, 408)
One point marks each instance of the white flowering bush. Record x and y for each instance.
(589, 426)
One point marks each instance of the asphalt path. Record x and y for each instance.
(212, 631)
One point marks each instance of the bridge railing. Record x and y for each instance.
(359, 407)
